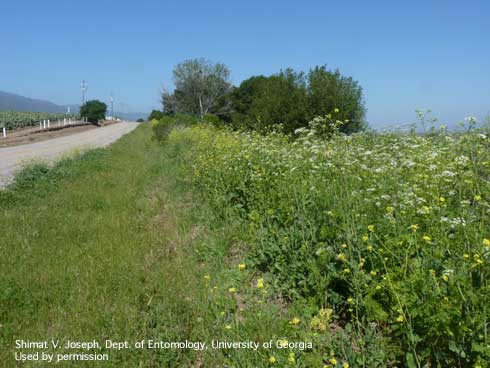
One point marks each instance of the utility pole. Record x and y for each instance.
(112, 106)
(83, 87)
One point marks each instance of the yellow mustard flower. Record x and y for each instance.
(295, 321)
(371, 228)
(341, 257)
(242, 266)
(272, 359)
(291, 358)
(486, 242)
(400, 319)
(260, 283)
(232, 290)
(333, 361)
(427, 238)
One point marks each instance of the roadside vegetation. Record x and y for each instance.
(114, 244)
(378, 244)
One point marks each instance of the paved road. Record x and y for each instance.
(12, 158)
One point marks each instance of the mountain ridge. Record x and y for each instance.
(14, 102)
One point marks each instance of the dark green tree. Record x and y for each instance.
(93, 110)
(330, 90)
(293, 99)
(261, 102)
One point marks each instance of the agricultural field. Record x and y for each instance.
(16, 120)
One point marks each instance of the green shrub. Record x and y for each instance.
(161, 128)
(155, 115)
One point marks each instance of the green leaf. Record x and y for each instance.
(411, 361)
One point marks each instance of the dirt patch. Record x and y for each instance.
(32, 135)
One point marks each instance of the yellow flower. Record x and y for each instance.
(341, 257)
(486, 242)
(260, 283)
(373, 273)
(466, 256)
(295, 321)
(427, 238)
(344, 245)
(414, 227)
(232, 290)
(242, 266)
(333, 361)
(350, 300)
(345, 365)
(371, 228)
(477, 198)
(207, 277)
(336, 110)
(445, 278)
(389, 210)
(272, 359)
(365, 237)
(228, 327)
(316, 323)
(291, 358)
(442, 199)
(346, 270)
(370, 248)
(400, 319)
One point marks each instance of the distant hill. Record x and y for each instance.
(10, 101)
(13, 102)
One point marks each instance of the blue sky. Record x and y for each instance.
(405, 54)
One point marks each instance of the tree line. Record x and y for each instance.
(203, 89)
